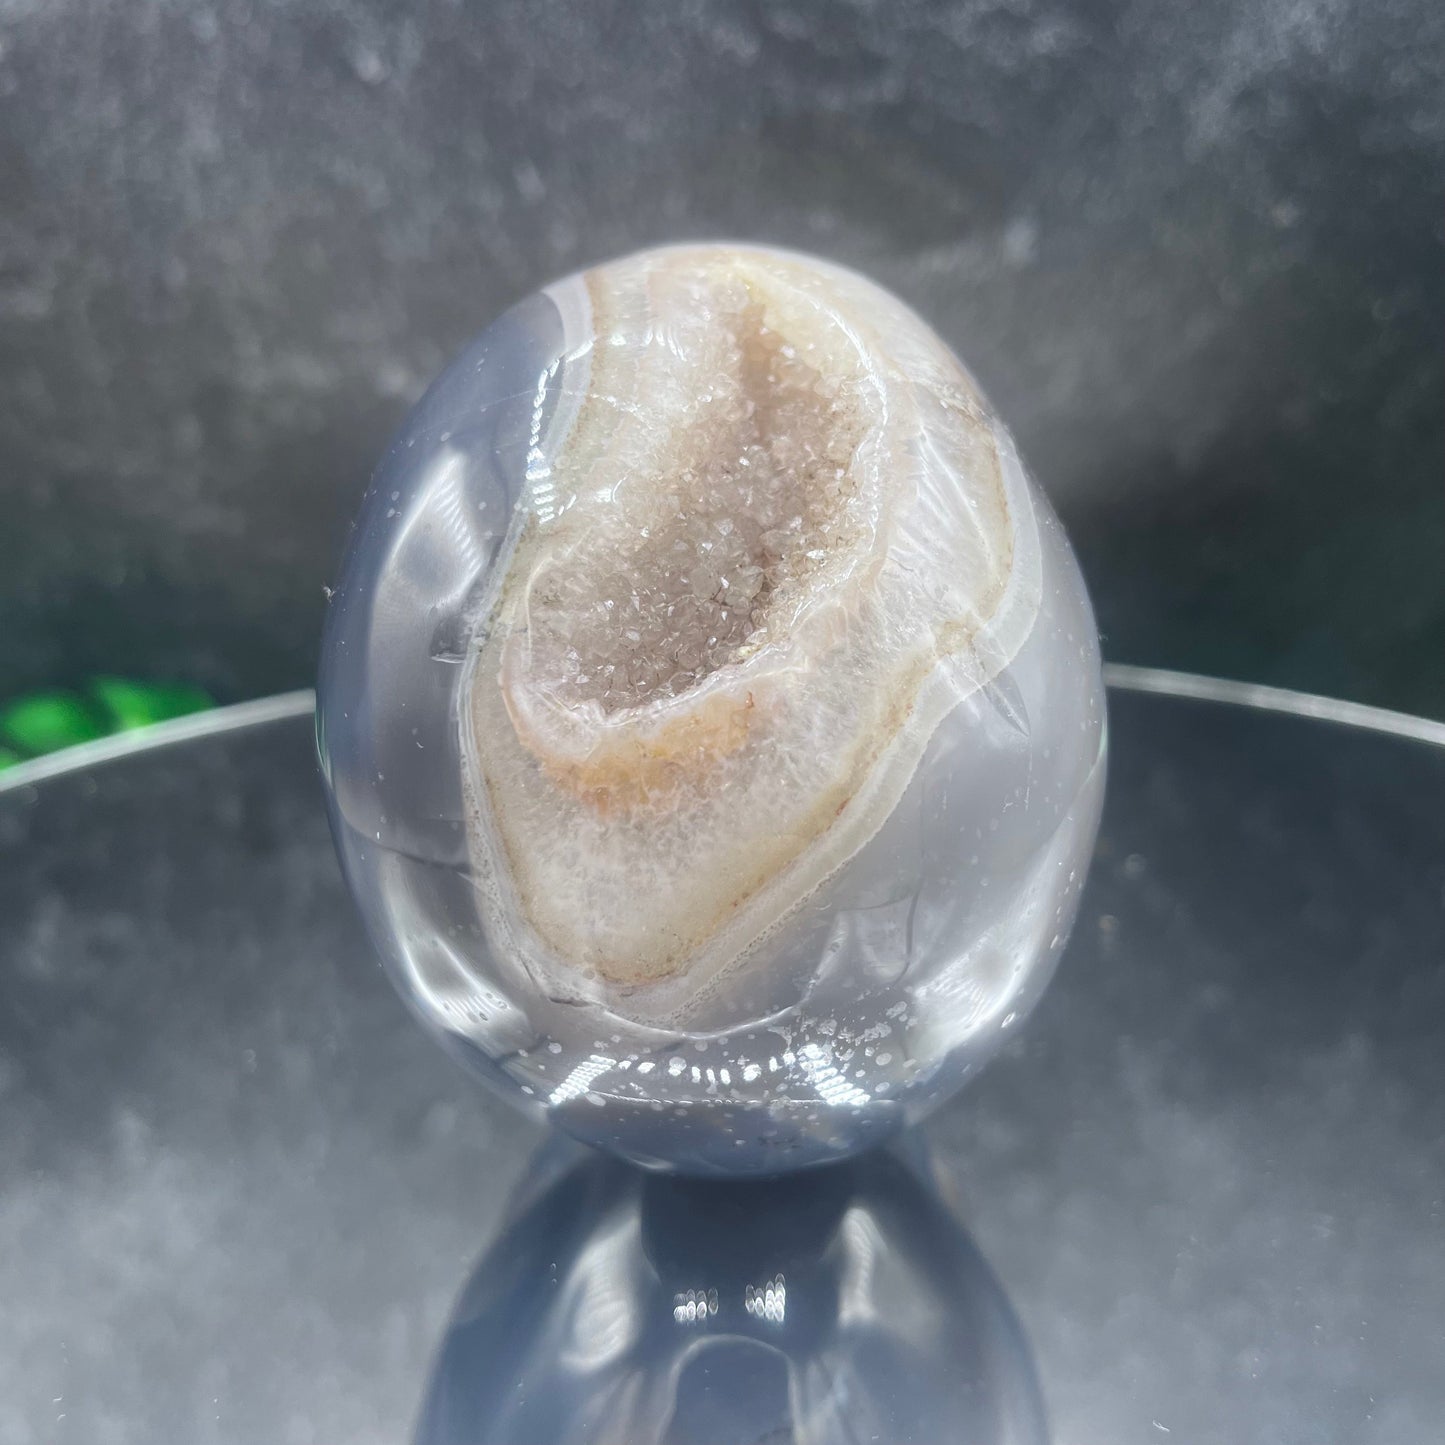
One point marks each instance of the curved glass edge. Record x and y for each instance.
(1119, 676)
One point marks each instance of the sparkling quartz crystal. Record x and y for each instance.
(712, 711)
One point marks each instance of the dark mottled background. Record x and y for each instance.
(1195, 249)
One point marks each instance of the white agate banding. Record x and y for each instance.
(771, 536)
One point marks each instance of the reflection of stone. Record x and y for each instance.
(841, 1305)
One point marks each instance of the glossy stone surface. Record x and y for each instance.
(847, 1305)
(711, 712)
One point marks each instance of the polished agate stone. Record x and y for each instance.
(712, 713)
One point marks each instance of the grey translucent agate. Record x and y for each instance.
(880, 992)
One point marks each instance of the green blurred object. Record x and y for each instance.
(42, 722)
(45, 722)
(138, 704)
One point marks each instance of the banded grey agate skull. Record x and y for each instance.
(711, 712)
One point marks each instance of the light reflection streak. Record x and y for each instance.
(767, 1301)
(857, 1302)
(581, 1079)
(827, 1081)
(598, 1302)
(542, 488)
(446, 501)
(692, 1306)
